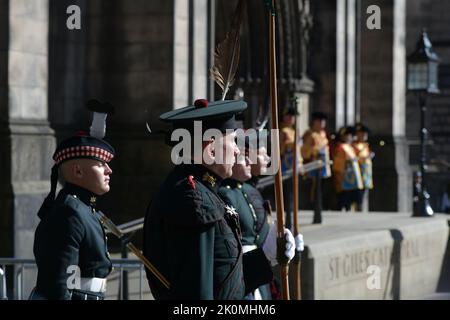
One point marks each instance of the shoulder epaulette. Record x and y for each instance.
(193, 204)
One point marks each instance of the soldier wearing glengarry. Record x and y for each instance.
(70, 242)
(191, 236)
(238, 192)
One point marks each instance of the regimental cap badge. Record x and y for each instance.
(209, 178)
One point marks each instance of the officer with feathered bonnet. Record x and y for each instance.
(190, 234)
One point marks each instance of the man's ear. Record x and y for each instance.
(209, 151)
(77, 171)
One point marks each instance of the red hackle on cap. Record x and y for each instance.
(191, 182)
(201, 103)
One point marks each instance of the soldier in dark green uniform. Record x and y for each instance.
(260, 145)
(240, 192)
(70, 243)
(254, 228)
(190, 235)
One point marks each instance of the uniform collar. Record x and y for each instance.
(86, 196)
(232, 183)
(201, 173)
(254, 181)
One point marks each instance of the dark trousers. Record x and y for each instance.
(344, 199)
(75, 295)
(87, 295)
(357, 198)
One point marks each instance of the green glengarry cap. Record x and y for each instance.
(261, 138)
(216, 114)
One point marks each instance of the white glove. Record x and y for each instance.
(270, 245)
(299, 243)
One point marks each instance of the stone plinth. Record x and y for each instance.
(343, 255)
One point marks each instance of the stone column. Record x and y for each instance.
(351, 63)
(345, 62)
(27, 141)
(67, 68)
(200, 52)
(341, 69)
(323, 65)
(181, 53)
(191, 50)
(383, 61)
(6, 199)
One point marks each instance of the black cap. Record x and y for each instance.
(101, 107)
(359, 127)
(318, 116)
(291, 111)
(83, 146)
(344, 131)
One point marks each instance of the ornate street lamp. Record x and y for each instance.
(423, 66)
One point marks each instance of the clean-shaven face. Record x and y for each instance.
(242, 170)
(260, 167)
(225, 151)
(92, 175)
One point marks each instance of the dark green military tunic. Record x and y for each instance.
(193, 239)
(252, 216)
(69, 234)
(250, 205)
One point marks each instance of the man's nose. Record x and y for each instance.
(236, 150)
(108, 169)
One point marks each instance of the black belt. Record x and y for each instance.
(74, 295)
(86, 295)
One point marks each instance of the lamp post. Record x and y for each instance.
(423, 65)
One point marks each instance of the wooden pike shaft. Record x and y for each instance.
(121, 236)
(148, 264)
(296, 264)
(278, 178)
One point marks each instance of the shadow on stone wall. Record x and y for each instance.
(394, 271)
(392, 285)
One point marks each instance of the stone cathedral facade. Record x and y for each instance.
(148, 56)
